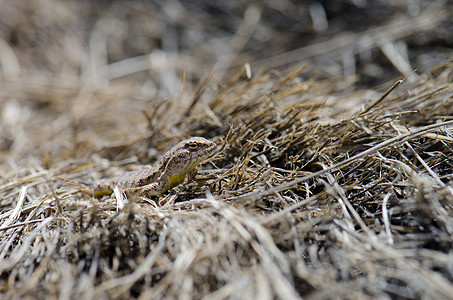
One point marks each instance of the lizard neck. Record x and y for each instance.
(178, 178)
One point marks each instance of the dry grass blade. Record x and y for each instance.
(255, 195)
(315, 192)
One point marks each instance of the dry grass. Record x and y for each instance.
(319, 190)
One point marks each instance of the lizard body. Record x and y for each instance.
(169, 171)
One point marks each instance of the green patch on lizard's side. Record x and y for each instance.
(104, 192)
(177, 179)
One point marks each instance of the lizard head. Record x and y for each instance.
(183, 158)
(189, 152)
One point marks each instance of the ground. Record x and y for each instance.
(333, 175)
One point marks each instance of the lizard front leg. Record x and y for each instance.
(159, 187)
(152, 189)
(191, 175)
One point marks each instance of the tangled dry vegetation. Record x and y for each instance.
(317, 190)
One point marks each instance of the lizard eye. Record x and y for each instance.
(192, 146)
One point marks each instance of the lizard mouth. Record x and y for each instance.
(210, 151)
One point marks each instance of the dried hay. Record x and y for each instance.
(317, 191)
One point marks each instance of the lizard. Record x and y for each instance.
(169, 171)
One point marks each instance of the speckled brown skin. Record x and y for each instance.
(169, 171)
